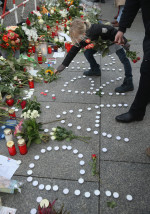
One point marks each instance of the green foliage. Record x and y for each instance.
(47, 76)
(32, 105)
(102, 46)
(111, 204)
(99, 92)
(24, 39)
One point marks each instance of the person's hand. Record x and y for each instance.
(55, 71)
(119, 38)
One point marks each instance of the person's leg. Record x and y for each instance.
(127, 83)
(95, 69)
(138, 107)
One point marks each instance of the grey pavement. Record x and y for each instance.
(124, 168)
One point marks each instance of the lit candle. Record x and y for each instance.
(31, 83)
(33, 48)
(40, 60)
(8, 135)
(12, 114)
(9, 100)
(11, 148)
(49, 49)
(43, 48)
(22, 146)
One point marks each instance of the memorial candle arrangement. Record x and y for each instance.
(8, 135)
(31, 82)
(9, 100)
(49, 49)
(12, 114)
(22, 146)
(40, 59)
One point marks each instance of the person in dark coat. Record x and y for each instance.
(2, 5)
(81, 33)
(142, 98)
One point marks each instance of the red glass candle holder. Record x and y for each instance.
(49, 49)
(31, 83)
(40, 60)
(22, 146)
(11, 148)
(53, 34)
(30, 50)
(33, 48)
(9, 100)
(12, 114)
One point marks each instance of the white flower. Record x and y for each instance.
(67, 32)
(2, 58)
(52, 133)
(68, 27)
(53, 137)
(34, 114)
(61, 39)
(40, 21)
(63, 13)
(52, 11)
(54, 129)
(56, 39)
(24, 115)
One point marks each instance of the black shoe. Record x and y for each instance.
(128, 118)
(92, 73)
(126, 86)
(102, 1)
(96, 1)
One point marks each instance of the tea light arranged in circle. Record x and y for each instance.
(125, 105)
(33, 211)
(75, 151)
(82, 163)
(129, 197)
(76, 92)
(55, 188)
(80, 180)
(120, 105)
(79, 115)
(118, 138)
(82, 92)
(101, 87)
(31, 165)
(18, 161)
(29, 179)
(102, 93)
(117, 93)
(96, 125)
(109, 135)
(69, 91)
(126, 139)
(77, 192)
(69, 124)
(64, 147)
(56, 148)
(43, 150)
(29, 172)
(64, 112)
(108, 193)
(46, 130)
(97, 117)
(87, 194)
(82, 171)
(69, 147)
(78, 127)
(62, 121)
(108, 69)
(108, 105)
(104, 134)
(111, 80)
(97, 192)
(98, 112)
(72, 68)
(106, 64)
(78, 68)
(97, 106)
(66, 191)
(89, 108)
(46, 91)
(120, 69)
(123, 94)
(74, 78)
(47, 107)
(49, 148)
(80, 110)
(88, 129)
(101, 105)
(88, 92)
(104, 149)
(71, 111)
(80, 155)
(113, 69)
(114, 105)
(48, 187)
(35, 183)
(95, 132)
(41, 186)
(104, 85)
(116, 195)
(39, 199)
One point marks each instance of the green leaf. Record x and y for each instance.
(111, 204)
(37, 141)
(67, 139)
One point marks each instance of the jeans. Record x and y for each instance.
(120, 13)
(142, 97)
(125, 61)
(90, 58)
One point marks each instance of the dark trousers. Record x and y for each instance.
(120, 53)
(142, 97)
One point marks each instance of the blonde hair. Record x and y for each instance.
(78, 29)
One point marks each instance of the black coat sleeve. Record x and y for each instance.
(131, 9)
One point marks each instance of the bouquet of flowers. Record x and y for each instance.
(60, 134)
(48, 74)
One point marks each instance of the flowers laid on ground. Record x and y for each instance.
(60, 134)
(93, 164)
(32, 105)
(46, 207)
(9, 40)
(48, 74)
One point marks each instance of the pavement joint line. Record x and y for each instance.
(125, 162)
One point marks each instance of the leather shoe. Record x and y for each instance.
(128, 118)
